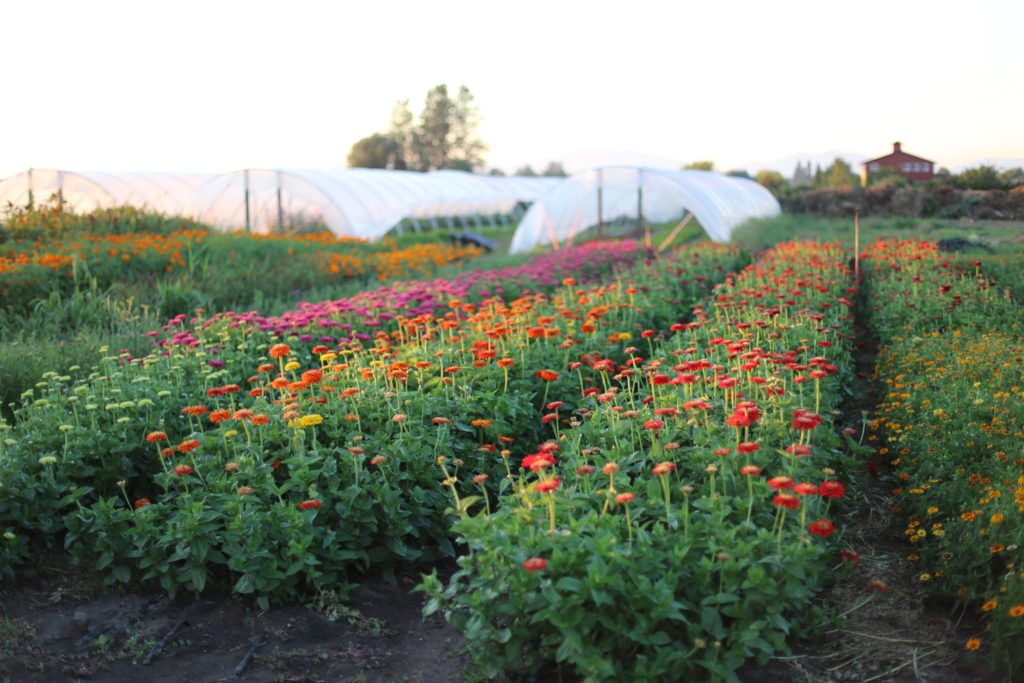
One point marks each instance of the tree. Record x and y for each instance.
(526, 171)
(554, 170)
(374, 151)
(700, 166)
(981, 178)
(773, 181)
(401, 131)
(496, 172)
(466, 149)
(443, 136)
(431, 137)
(738, 173)
(1012, 177)
(839, 174)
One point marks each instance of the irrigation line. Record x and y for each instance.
(163, 642)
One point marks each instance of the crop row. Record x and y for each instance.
(952, 416)
(673, 523)
(280, 464)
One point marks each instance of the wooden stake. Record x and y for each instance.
(856, 245)
(672, 235)
(551, 230)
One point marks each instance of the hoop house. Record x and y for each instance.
(84, 191)
(357, 202)
(719, 202)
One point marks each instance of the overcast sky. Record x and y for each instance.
(216, 85)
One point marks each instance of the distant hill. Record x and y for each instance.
(581, 161)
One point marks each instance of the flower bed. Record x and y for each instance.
(952, 416)
(282, 469)
(674, 524)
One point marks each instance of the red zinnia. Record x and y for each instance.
(309, 504)
(831, 489)
(154, 437)
(748, 447)
(624, 498)
(535, 564)
(654, 425)
(279, 350)
(822, 528)
(780, 483)
(182, 470)
(804, 419)
(805, 489)
(548, 486)
(547, 375)
(142, 502)
(749, 470)
(663, 468)
(786, 500)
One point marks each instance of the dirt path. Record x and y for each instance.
(886, 630)
(61, 627)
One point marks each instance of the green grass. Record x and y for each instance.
(994, 235)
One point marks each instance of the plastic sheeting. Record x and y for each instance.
(357, 202)
(719, 202)
(84, 191)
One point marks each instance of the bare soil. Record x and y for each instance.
(59, 626)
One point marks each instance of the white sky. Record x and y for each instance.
(216, 85)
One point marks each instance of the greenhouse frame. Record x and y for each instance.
(84, 191)
(358, 202)
(592, 198)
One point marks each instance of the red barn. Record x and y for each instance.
(907, 165)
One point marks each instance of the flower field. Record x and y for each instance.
(639, 466)
(952, 417)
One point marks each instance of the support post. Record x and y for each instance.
(675, 231)
(856, 246)
(60, 190)
(600, 203)
(30, 188)
(280, 207)
(248, 218)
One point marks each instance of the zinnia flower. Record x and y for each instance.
(154, 437)
(831, 489)
(822, 528)
(182, 470)
(780, 483)
(547, 375)
(663, 468)
(309, 504)
(535, 564)
(624, 498)
(548, 486)
(786, 500)
(279, 350)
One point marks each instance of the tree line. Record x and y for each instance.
(442, 136)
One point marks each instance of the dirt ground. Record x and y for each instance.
(60, 626)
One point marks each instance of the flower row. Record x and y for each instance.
(673, 523)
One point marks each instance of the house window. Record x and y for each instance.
(905, 167)
(873, 166)
(927, 168)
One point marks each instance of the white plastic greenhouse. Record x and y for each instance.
(356, 202)
(719, 202)
(83, 191)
